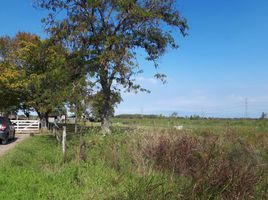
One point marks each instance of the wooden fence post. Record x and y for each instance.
(54, 132)
(64, 143)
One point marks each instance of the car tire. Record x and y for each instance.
(5, 141)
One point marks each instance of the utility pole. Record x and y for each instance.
(246, 108)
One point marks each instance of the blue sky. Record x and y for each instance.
(222, 61)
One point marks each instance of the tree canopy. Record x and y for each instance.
(108, 34)
(34, 73)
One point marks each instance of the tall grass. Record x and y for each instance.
(229, 162)
(214, 166)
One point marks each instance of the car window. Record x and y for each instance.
(1, 120)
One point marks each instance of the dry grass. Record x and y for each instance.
(222, 166)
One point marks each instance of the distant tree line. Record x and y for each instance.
(135, 116)
(175, 115)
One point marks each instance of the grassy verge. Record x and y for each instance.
(34, 170)
(211, 163)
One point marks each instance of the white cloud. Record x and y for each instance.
(145, 80)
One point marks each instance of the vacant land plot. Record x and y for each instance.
(226, 161)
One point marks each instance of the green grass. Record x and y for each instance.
(172, 121)
(35, 170)
(128, 164)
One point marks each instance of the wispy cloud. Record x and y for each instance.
(146, 80)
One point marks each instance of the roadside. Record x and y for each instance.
(12, 143)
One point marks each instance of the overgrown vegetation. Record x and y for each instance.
(132, 163)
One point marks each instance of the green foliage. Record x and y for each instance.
(97, 104)
(10, 83)
(34, 71)
(45, 64)
(109, 33)
(79, 87)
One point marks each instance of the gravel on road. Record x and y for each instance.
(12, 143)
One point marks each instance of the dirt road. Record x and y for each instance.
(12, 143)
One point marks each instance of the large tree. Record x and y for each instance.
(10, 77)
(111, 32)
(34, 73)
(44, 64)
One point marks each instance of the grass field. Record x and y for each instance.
(209, 159)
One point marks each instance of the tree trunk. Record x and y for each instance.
(105, 124)
(106, 104)
(27, 114)
(106, 110)
(43, 120)
(44, 123)
(75, 119)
